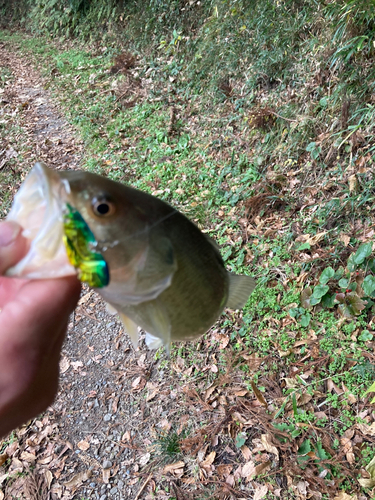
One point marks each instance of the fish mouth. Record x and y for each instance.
(60, 241)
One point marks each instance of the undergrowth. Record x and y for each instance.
(257, 123)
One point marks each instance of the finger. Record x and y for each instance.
(30, 399)
(13, 246)
(30, 325)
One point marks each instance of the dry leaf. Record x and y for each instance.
(344, 238)
(259, 395)
(83, 445)
(248, 470)
(246, 452)
(106, 474)
(173, 467)
(266, 440)
(260, 492)
(64, 364)
(224, 470)
(48, 477)
(209, 459)
(353, 183)
(78, 479)
(28, 457)
(344, 496)
(3, 458)
(222, 339)
(367, 430)
(144, 459)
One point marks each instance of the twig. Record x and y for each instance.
(283, 117)
(143, 486)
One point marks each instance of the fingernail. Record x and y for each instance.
(9, 231)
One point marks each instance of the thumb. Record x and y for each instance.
(13, 245)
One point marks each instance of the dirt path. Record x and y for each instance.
(80, 439)
(128, 424)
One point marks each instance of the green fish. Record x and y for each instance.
(146, 259)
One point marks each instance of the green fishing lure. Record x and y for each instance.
(92, 268)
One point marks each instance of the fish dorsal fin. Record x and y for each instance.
(240, 288)
(131, 328)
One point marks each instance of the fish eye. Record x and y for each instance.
(103, 207)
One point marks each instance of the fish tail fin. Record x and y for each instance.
(240, 288)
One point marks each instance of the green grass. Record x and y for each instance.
(256, 170)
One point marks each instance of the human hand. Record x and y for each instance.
(33, 321)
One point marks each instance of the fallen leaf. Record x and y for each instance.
(106, 474)
(83, 445)
(344, 496)
(246, 452)
(64, 364)
(248, 470)
(260, 492)
(3, 458)
(78, 479)
(173, 467)
(209, 459)
(259, 395)
(369, 483)
(48, 477)
(224, 470)
(144, 459)
(268, 446)
(76, 365)
(367, 430)
(344, 238)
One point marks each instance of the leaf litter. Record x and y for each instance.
(115, 405)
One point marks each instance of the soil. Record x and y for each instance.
(103, 436)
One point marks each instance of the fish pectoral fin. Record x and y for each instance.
(161, 260)
(240, 288)
(131, 328)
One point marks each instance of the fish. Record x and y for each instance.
(148, 261)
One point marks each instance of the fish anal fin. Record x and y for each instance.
(240, 288)
(131, 328)
(159, 325)
(110, 309)
(153, 342)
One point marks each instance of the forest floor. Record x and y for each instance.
(132, 424)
